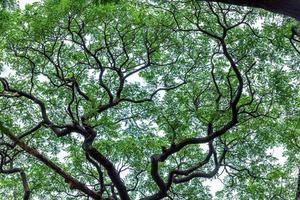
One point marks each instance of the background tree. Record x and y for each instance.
(145, 100)
(9, 4)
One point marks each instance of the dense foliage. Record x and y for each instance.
(147, 100)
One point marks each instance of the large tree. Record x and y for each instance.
(135, 100)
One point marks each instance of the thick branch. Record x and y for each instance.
(105, 162)
(25, 185)
(286, 7)
(298, 187)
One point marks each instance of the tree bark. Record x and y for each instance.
(289, 8)
(298, 186)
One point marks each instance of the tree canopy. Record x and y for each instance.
(148, 100)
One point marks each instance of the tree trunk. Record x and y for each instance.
(298, 186)
(286, 7)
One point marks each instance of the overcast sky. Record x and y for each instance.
(24, 2)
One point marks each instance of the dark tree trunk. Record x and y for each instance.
(286, 7)
(298, 186)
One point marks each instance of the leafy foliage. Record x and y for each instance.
(146, 100)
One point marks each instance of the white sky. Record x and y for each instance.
(22, 3)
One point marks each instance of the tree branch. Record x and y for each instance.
(287, 7)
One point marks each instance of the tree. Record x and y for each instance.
(135, 100)
(9, 4)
